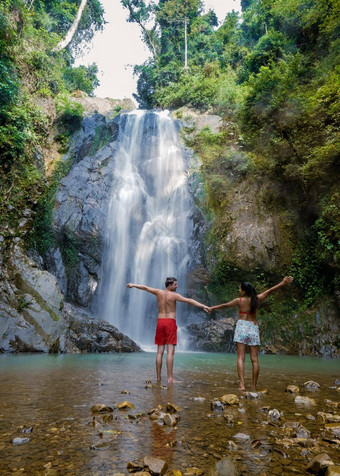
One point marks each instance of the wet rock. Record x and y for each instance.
(333, 428)
(225, 467)
(333, 471)
(192, 471)
(155, 465)
(20, 441)
(311, 385)
(176, 472)
(27, 430)
(199, 399)
(86, 333)
(134, 466)
(157, 415)
(229, 419)
(274, 414)
(125, 392)
(229, 399)
(171, 408)
(101, 408)
(242, 437)
(252, 395)
(292, 389)
(310, 416)
(216, 405)
(171, 419)
(319, 464)
(304, 401)
(329, 417)
(212, 335)
(124, 405)
(302, 432)
(330, 403)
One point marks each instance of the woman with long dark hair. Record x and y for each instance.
(247, 330)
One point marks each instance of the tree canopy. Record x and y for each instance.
(273, 71)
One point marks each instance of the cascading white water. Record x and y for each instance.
(148, 223)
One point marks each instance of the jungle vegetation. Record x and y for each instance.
(272, 73)
(33, 69)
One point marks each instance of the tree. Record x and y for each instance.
(143, 14)
(70, 34)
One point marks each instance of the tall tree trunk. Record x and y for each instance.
(70, 34)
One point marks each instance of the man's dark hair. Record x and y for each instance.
(169, 281)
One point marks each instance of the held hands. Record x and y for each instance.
(207, 309)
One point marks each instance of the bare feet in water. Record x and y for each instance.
(174, 381)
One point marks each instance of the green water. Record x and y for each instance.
(55, 393)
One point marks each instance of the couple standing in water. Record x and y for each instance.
(246, 332)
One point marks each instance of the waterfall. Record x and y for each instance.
(148, 223)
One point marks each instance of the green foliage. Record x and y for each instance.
(82, 78)
(70, 113)
(29, 69)
(44, 236)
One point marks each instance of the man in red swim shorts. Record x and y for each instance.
(166, 331)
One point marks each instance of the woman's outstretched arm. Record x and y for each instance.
(265, 294)
(233, 303)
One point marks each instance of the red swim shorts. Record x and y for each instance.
(166, 332)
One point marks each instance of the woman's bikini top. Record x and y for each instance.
(251, 314)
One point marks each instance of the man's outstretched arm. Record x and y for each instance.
(192, 302)
(143, 288)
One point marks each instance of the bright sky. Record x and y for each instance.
(119, 47)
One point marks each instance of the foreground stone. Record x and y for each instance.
(225, 467)
(149, 465)
(292, 389)
(304, 401)
(319, 464)
(155, 465)
(101, 408)
(230, 399)
(333, 471)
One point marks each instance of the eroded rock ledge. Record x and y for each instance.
(35, 318)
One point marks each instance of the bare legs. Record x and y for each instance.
(241, 354)
(253, 351)
(159, 361)
(169, 361)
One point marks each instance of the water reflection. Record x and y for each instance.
(54, 394)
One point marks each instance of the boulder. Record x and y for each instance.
(292, 389)
(230, 399)
(155, 466)
(304, 401)
(212, 336)
(319, 464)
(224, 467)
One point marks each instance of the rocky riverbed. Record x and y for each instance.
(102, 414)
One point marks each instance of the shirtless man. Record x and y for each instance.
(166, 331)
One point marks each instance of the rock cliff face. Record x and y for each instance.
(80, 212)
(35, 318)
